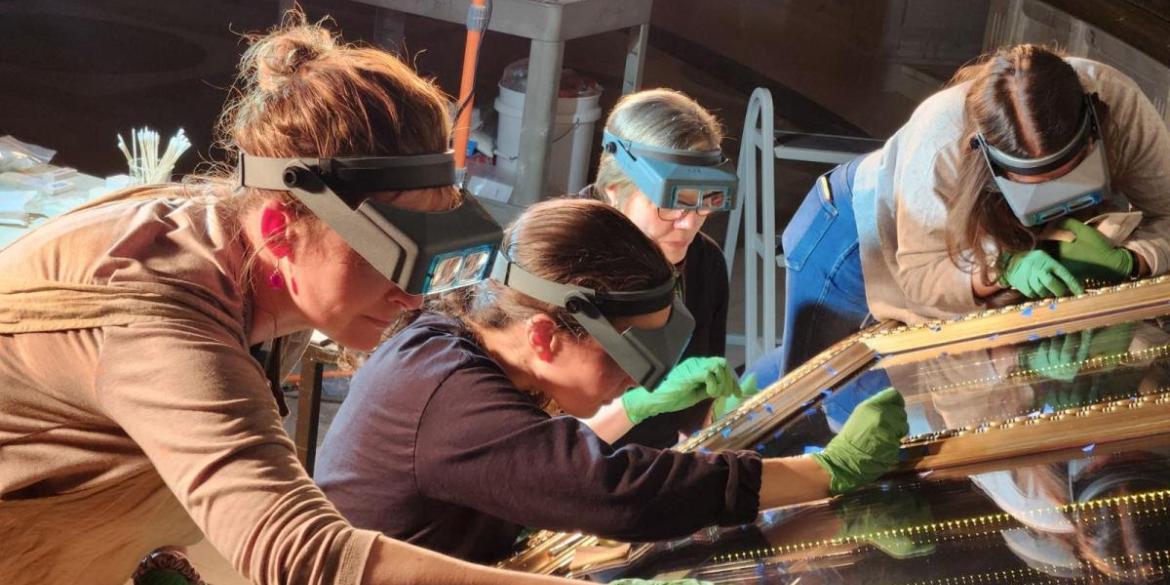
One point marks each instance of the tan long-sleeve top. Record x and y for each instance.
(132, 415)
(900, 194)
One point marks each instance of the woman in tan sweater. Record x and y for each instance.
(132, 415)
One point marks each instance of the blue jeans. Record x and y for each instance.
(824, 289)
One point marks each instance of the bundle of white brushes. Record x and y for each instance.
(146, 166)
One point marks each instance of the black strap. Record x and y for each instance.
(272, 372)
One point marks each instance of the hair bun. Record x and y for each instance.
(277, 57)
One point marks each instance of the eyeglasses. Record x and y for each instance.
(700, 201)
(667, 214)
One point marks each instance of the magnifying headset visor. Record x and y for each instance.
(1087, 184)
(645, 354)
(422, 252)
(676, 179)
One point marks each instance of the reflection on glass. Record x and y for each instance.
(1098, 519)
(949, 394)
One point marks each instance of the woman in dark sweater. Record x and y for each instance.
(661, 120)
(448, 437)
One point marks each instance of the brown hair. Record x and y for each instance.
(571, 241)
(655, 117)
(301, 93)
(1027, 101)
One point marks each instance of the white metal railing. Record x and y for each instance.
(756, 211)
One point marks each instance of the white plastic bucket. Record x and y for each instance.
(572, 138)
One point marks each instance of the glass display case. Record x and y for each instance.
(1039, 452)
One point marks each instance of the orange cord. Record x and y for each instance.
(463, 124)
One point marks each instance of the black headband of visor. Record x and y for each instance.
(629, 304)
(351, 178)
(609, 304)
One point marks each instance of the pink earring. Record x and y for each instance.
(276, 280)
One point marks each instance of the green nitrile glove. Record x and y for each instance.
(887, 520)
(1072, 394)
(166, 566)
(162, 577)
(1090, 257)
(726, 404)
(868, 443)
(690, 382)
(1060, 358)
(1036, 274)
(1108, 343)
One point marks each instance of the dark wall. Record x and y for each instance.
(73, 73)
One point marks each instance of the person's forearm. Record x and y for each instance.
(611, 422)
(392, 562)
(792, 480)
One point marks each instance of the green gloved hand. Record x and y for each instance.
(690, 382)
(166, 566)
(1075, 393)
(887, 521)
(868, 443)
(726, 404)
(1059, 358)
(162, 577)
(1106, 345)
(1090, 257)
(1036, 274)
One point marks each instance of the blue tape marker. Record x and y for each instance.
(993, 337)
(751, 416)
(1027, 312)
(831, 370)
(811, 449)
(1089, 448)
(1052, 306)
(726, 432)
(1033, 337)
(776, 435)
(760, 447)
(1047, 409)
(771, 409)
(810, 412)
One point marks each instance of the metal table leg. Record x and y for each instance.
(540, 100)
(309, 409)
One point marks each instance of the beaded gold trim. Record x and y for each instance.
(963, 528)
